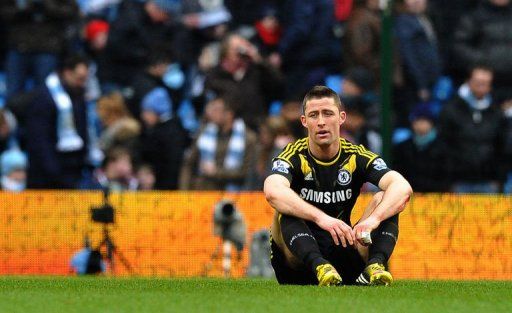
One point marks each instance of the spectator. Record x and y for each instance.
(163, 140)
(507, 145)
(291, 110)
(36, 32)
(470, 129)
(138, 29)
(204, 22)
(149, 79)
(274, 135)
(8, 127)
(96, 34)
(362, 39)
(483, 36)
(96, 37)
(13, 166)
(116, 173)
(222, 155)
(445, 15)
(208, 59)
(419, 55)
(421, 157)
(56, 128)
(358, 87)
(308, 48)
(356, 130)
(146, 177)
(242, 75)
(268, 30)
(120, 129)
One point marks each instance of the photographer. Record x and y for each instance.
(229, 224)
(36, 34)
(243, 75)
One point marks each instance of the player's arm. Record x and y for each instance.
(397, 192)
(285, 201)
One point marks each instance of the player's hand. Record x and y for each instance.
(338, 229)
(366, 225)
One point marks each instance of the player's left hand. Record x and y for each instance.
(367, 225)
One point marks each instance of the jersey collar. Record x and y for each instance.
(327, 163)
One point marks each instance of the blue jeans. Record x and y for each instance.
(20, 66)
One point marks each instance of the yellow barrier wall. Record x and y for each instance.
(171, 233)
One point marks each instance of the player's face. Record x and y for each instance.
(323, 119)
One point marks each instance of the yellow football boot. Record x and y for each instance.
(327, 275)
(375, 275)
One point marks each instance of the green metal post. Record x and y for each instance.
(386, 77)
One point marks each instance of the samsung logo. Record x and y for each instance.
(325, 197)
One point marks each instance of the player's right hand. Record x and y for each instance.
(338, 229)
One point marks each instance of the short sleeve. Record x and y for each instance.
(283, 168)
(374, 169)
(287, 163)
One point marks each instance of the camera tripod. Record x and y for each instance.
(111, 250)
(223, 251)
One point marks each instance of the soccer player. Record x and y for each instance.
(313, 187)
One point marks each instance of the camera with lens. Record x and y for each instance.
(105, 212)
(229, 223)
(243, 52)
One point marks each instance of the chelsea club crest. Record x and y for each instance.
(344, 177)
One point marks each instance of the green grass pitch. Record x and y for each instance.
(103, 294)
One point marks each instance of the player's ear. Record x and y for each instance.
(303, 120)
(343, 117)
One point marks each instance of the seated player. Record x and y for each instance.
(314, 185)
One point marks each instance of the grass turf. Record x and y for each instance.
(101, 294)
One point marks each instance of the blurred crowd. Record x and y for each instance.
(202, 94)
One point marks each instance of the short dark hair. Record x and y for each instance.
(319, 92)
(228, 102)
(114, 154)
(159, 55)
(71, 61)
(479, 66)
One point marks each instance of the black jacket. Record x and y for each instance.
(133, 35)
(425, 168)
(308, 38)
(473, 148)
(162, 147)
(485, 36)
(49, 168)
(40, 27)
